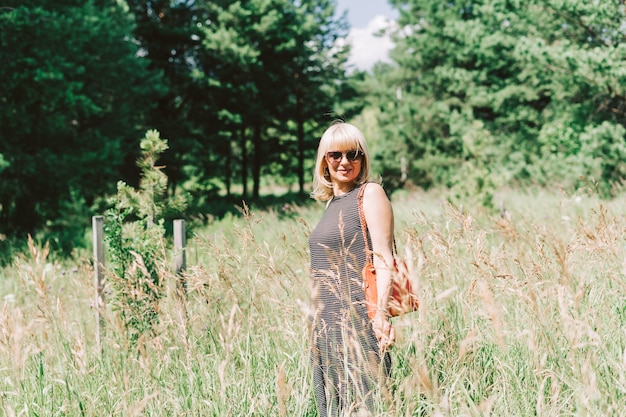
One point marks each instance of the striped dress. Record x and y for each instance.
(345, 355)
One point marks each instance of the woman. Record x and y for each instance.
(348, 351)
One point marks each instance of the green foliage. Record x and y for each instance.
(135, 237)
(67, 234)
(276, 67)
(170, 38)
(3, 163)
(477, 178)
(72, 99)
(542, 81)
(577, 154)
(480, 94)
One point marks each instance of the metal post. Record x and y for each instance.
(180, 260)
(97, 224)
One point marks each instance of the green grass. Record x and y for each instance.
(521, 314)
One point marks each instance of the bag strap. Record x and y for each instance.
(368, 252)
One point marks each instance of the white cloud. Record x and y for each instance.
(367, 49)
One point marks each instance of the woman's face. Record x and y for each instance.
(344, 166)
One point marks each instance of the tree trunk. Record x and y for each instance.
(300, 124)
(256, 163)
(25, 214)
(244, 162)
(228, 170)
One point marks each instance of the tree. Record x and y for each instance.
(495, 84)
(76, 94)
(169, 36)
(575, 51)
(315, 74)
(273, 65)
(135, 229)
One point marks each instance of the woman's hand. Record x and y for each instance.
(384, 331)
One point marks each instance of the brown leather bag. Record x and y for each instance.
(403, 298)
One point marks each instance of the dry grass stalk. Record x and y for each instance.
(282, 391)
(550, 288)
(493, 312)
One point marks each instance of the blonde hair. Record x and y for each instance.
(340, 136)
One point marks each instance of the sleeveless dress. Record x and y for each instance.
(345, 354)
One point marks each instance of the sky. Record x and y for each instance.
(366, 17)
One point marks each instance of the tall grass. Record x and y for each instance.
(522, 313)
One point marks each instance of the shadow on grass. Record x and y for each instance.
(201, 211)
(215, 207)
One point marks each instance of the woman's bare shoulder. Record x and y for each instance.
(374, 191)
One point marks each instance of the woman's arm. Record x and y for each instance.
(379, 217)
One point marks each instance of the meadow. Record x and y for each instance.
(523, 313)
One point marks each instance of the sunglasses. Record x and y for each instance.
(336, 156)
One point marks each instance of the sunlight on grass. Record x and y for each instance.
(522, 312)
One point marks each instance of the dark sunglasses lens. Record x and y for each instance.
(353, 155)
(336, 156)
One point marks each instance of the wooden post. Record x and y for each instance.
(180, 260)
(97, 223)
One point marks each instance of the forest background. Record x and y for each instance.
(498, 130)
(477, 96)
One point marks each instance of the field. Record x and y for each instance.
(523, 313)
